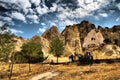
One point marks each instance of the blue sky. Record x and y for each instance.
(27, 18)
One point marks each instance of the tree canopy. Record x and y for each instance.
(31, 52)
(56, 47)
(5, 45)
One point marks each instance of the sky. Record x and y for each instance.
(27, 18)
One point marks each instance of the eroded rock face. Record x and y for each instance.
(44, 42)
(70, 36)
(93, 38)
(112, 51)
(51, 33)
(84, 28)
(17, 43)
(111, 35)
(77, 36)
(74, 36)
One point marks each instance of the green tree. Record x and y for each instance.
(31, 53)
(56, 47)
(6, 47)
(5, 43)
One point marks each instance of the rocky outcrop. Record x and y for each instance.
(84, 28)
(17, 44)
(74, 36)
(111, 35)
(110, 51)
(51, 33)
(79, 36)
(44, 42)
(93, 38)
(70, 36)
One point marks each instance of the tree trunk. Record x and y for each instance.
(29, 67)
(10, 69)
(57, 59)
(29, 64)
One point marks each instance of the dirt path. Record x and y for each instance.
(45, 76)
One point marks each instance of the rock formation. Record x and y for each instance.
(70, 36)
(93, 38)
(82, 35)
(51, 33)
(111, 35)
(84, 28)
(44, 42)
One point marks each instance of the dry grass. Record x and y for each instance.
(95, 72)
(21, 71)
(101, 71)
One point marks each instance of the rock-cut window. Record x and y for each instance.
(92, 38)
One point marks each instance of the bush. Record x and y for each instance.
(31, 53)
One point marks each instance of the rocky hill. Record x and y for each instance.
(84, 36)
(70, 36)
(44, 42)
(79, 38)
(51, 33)
(111, 35)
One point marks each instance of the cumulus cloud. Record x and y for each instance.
(53, 24)
(118, 6)
(21, 9)
(54, 7)
(69, 22)
(41, 30)
(19, 16)
(65, 22)
(41, 10)
(103, 14)
(1, 23)
(85, 8)
(117, 19)
(15, 31)
(7, 19)
(33, 18)
(43, 24)
(59, 12)
(36, 2)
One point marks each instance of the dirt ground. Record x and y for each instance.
(71, 71)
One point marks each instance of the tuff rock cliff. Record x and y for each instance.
(76, 37)
(53, 32)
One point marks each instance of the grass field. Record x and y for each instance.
(71, 71)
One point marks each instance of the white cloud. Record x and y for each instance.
(41, 30)
(63, 23)
(19, 16)
(118, 19)
(34, 18)
(86, 8)
(43, 10)
(88, 1)
(103, 14)
(54, 7)
(7, 19)
(118, 6)
(69, 22)
(1, 23)
(15, 31)
(43, 24)
(52, 24)
(22, 4)
(36, 2)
